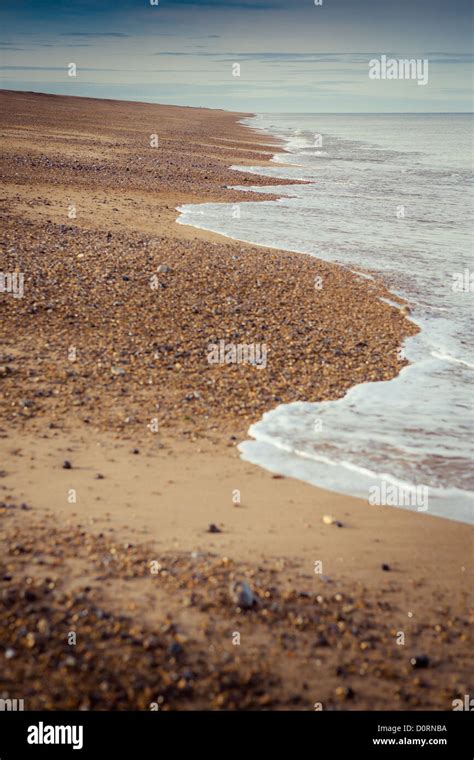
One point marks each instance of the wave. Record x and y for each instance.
(454, 359)
(413, 430)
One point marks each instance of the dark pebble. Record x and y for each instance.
(420, 661)
(296, 699)
(213, 529)
(321, 641)
(175, 649)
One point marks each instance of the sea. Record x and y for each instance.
(391, 195)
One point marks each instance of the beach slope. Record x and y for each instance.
(190, 578)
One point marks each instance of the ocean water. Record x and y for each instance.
(391, 194)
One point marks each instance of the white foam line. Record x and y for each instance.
(362, 274)
(403, 484)
(448, 358)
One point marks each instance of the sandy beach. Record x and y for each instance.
(190, 578)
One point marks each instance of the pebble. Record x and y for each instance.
(43, 627)
(330, 520)
(243, 595)
(345, 692)
(175, 649)
(30, 640)
(420, 661)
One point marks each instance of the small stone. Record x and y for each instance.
(67, 465)
(213, 529)
(175, 649)
(386, 567)
(420, 661)
(345, 692)
(43, 627)
(10, 653)
(163, 268)
(243, 595)
(151, 642)
(330, 520)
(30, 640)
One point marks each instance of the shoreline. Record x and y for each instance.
(91, 278)
(443, 500)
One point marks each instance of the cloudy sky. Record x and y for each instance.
(293, 55)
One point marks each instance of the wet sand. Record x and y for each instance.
(104, 366)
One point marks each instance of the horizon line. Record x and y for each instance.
(255, 113)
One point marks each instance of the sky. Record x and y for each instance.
(294, 55)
